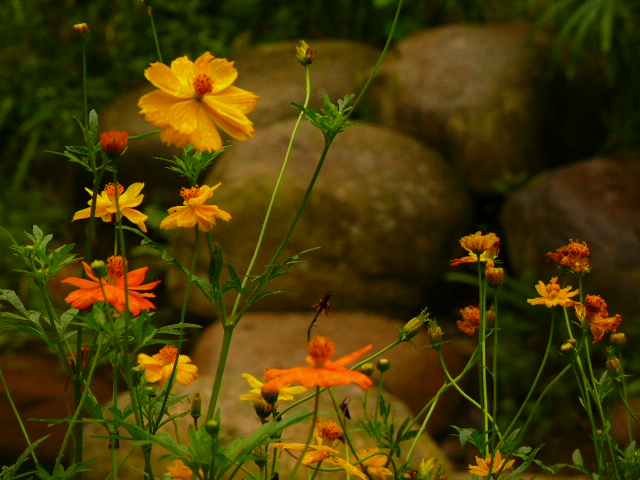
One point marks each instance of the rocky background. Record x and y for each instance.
(463, 129)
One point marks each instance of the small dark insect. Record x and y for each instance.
(344, 408)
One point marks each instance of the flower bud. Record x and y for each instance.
(114, 143)
(435, 334)
(304, 53)
(367, 369)
(262, 408)
(430, 470)
(383, 365)
(196, 407)
(212, 427)
(99, 268)
(494, 276)
(271, 397)
(412, 327)
(567, 347)
(614, 366)
(618, 338)
(81, 29)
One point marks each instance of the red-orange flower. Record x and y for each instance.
(470, 322)
(481, 248)
(594, 312)
(323, 372)
(572, 257)
(112, 289)
(113, 142)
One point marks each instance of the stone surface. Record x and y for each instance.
(386, 212)
(478, 93)
(596, 201)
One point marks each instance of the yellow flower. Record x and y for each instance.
(481, 248)
(285, 394)
(482, 467)
(158, 367)
(194, 100)
(374, 465)
(552, 295)
(106, 204)
(179, 471)
(194, 211)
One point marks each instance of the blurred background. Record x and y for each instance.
(585, 71)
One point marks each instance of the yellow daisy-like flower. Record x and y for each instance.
(106, 204)
(285, 394)
(482, 467)
(481, 248)
(194, 211)
(551, 294)
(158, 367)
(374, 465)
(194, 100)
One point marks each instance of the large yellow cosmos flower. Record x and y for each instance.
(106, 204)
(194, 100)
(158, 367)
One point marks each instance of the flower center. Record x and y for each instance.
(110, 189)
(115, 267)
(553, 289)
(321, 349)
(203, 84)
(188, 193)
(168, 354)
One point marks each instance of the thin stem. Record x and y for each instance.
(154, 32)
(494, 374)
(310, 436)
(483, 356)
(222, 362)
(17, 415)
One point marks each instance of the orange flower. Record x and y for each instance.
(481, 248)
(482, 467)
(106, 204)
(194, 211)
(470, 322)
(96, 289)
(594, 312)
(179, 471)
(158, 367)
(323, 372)
(114, 143)
(572, 257)
(552, 295)
(374, 465)
(194, 100)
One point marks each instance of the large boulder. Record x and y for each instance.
(386, 212)
(478, 93)
(596, 201)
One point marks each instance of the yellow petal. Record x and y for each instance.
(167, 79)
(183, 116)
(155, 107)
(222, 72)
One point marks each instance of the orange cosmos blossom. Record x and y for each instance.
(194, 100)
(482, 469)
(323, 372)
(114, 143)
(572, 257)
(194, 211)
(112, 288)
(594, 312)
(178, 470)
(106, 204)
(158, 367)
(552, 295)
(481, 248)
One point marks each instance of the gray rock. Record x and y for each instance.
(477, 93)
(386, 213)
(596, 201)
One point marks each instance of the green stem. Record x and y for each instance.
(483, 357)
(154, 32)
(222, 362)
(17, 415)
(274, 195)
(310, 436)
(494, 374)
(183, 314)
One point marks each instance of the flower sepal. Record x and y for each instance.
(332, 119)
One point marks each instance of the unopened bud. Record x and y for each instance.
(431, 470)
(614, 366)
(99, 268)
(383, 365)
(81, 29)
(494, 276)
(263, 409)
(270, 396)
(212, 427)
(412, 327)
(196, 406)
(618, 338)
(367, 369)
(567, 347)
(435, 335)
(304, 53)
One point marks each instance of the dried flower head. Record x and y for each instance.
(572, 257)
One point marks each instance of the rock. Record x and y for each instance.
(262, 340)
(386, 212)
(596, 201)
(341, 67)
(477, 93)
(40, 389)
